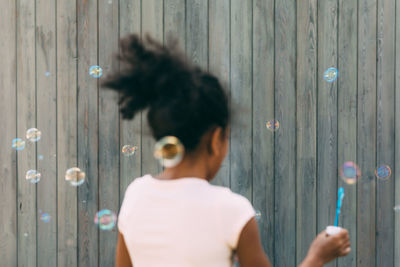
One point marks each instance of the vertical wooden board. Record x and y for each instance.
(66, 132)
(197, 32)
(26, 118)
(285, 137)
(385, 130)
(306, 95)
(47, 124)
(397, 143)
(152, 23)
(241, 93)
(347, 118)
(175, 22)
(327, 166)
(263, 110)
(130, 167)
(219, 62)
(366, 133)
(8, 119)
(109, 156)
(88, 128)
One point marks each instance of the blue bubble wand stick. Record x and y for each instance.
(339, 204)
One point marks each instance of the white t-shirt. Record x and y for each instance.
(181, 223)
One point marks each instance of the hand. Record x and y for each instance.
(326, 247)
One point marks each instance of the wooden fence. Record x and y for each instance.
(271, 54)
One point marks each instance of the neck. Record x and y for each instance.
(185, 169)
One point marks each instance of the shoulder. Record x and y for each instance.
(135, 185)
(229, 199)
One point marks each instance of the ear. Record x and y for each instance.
(216, 141)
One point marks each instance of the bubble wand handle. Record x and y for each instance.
(339, 204)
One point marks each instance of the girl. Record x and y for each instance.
(178, 218)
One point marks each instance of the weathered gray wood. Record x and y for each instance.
(366, 132)
(347, 118)
(66, 132)
(327, 166)
(88, 130)
(263, 110)
(26, 118)
(285, 137)
(385, 133)
(241, 95)
(8, 119)
(109, 151)
(397, 143)
(152, 23)
(47, 123)
(130, 131)
(306, 126)
(219, 63)
(175, 22)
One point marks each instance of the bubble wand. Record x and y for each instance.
(339, 204)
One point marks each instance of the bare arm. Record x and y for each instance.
(122, 255)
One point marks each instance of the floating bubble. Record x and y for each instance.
(258, 215)
(33, 176)
(33, 134)
(75, 176)
(26, 234)
(18, 144)
(169, 151)
(350, 172)
(383, 172)
(45, 217)
(396, 208)
(40, 157)
(47, 73)
(272, 125)
(105, 219)
(129, 150)
(95, 71)
(331, 74)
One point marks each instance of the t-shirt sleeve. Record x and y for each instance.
(235, 211)
(124, 210)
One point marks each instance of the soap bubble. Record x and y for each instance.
(396, 208)
(33, 176)
(75, 176)
(272, 125)
(350, 172)
(383, 172)
(330, 75)
(45, 217)
(129, 150)
(96, 71)
(40, 157)
(18, 144)
(33, 134)
(47, 73)
(26, 234)
(258, 215)
(105, 219)
(169, 151)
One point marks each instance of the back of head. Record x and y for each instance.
(182, 100)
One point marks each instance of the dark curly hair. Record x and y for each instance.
(183, 100)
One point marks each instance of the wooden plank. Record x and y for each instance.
(88, 130)
(152, 23)
(285, 137)
(306, 125)
(47, 123)
(241, 95)
(397, 143)
(385, 131)
(8, 118)
(263, 110)
(130, 131)
(219, 63)
(109, 152)
(175, 22)
(347, 118)
(327, 166)
(26, 118)
(66, 132)
(366, 132)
